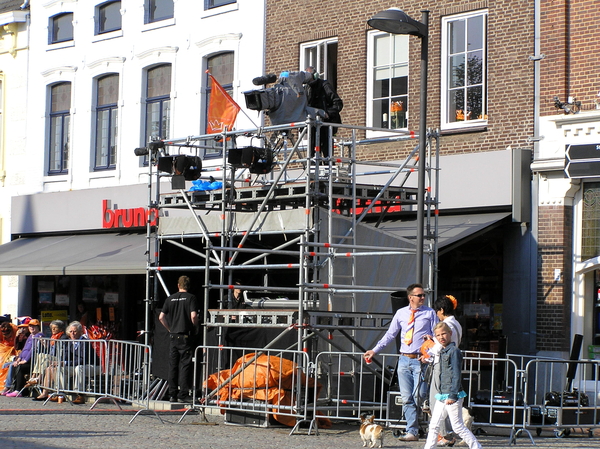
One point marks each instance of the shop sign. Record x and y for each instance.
(127, 218)
(582, 161)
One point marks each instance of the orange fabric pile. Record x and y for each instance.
(268, 378)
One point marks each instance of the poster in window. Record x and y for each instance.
(45, 297)
(111, 298)
(61, 300)
(90, 294)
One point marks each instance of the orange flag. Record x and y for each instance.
(222, 109)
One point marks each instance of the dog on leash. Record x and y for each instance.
(371, 434)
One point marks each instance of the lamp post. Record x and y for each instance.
(395, 21)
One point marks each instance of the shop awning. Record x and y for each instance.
(451, 228)
(75, 254)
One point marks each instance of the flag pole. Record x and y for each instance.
(240, 108)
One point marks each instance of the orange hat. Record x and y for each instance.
(33, 323)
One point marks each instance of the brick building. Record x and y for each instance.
(567, 128)
(522, 262)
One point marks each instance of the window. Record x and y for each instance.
(209, 4)
(221, 66)
(107, 94)
(158, 102)
(388, 81)
(464, 66)
(108, 17)
(322, 55)
(157, 10)
(60, 119)
(61, 28)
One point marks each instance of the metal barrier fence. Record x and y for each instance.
(252, 385)
(563, 395)
(102, 369)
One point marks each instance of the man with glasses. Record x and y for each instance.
(415, 324)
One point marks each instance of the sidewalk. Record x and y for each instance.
(30, 424)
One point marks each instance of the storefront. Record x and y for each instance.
(81, 255)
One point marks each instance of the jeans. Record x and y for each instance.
(454, 412)
(409, 373)
(8, 384)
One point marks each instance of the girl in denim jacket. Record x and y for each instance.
(450, 397)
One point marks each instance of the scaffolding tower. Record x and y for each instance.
(300, 230)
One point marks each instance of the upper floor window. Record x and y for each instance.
(387, 81)
(158, 102)
(208, 4)
(322, 55)
(107, 96)
(157, 10)
(108, 17)
(464, 70)
(61, 28)
(60, 121)
(222, 67)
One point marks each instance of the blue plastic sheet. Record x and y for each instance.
(199, 185)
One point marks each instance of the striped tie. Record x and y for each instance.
(408, 336)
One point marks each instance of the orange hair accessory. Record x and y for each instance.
(453, 301)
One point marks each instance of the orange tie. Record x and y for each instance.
(408, 336)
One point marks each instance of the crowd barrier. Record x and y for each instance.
(253, 386)
(563, 395)
(100, 369)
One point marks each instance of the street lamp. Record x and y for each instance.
(395, 21)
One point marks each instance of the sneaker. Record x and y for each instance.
(446, 443)
(173, 399)
(14, 394)
(5, 392)
(186, 399)
(409, 437)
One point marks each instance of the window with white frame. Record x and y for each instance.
(108, 17)
(158, 102)
(322, 55)
(222, 67)
(464, 70)
(60, 120)
(387, 81)
(209, 4)
(157, 10)
(60, 28)
(107, 96)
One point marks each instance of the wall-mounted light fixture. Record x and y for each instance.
(571, 106)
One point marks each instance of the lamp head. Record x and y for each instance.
(395, 21)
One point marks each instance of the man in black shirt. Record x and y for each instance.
(180, 317)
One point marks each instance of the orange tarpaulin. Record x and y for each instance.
(268, 378)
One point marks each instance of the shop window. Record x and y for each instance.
(61, 28)
(387, 80)
(209, 4)
(322, 55)
(464, 70)
(108, 17)
(60, 121)
(107, 95)
(222, 67)
(157, 10)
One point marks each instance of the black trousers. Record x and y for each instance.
(20, 372)
(180, 366)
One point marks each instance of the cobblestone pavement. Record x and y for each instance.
(33, 425)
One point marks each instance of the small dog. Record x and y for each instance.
(467, 418)
(370, 433)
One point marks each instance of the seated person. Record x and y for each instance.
(22, 364)
(53, 355)
(8, 333)
(82, 361)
